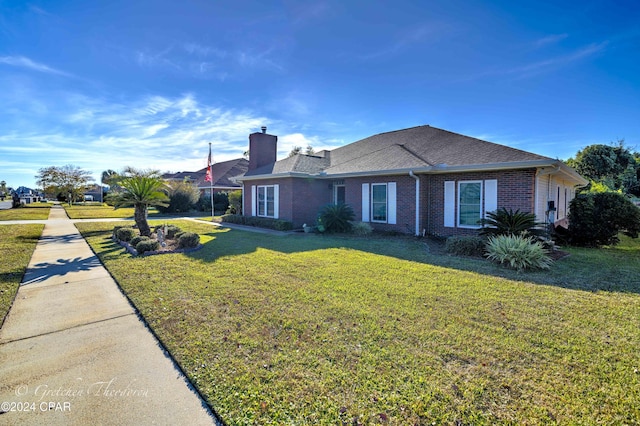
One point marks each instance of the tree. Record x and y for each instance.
(612, 165)
(68, 181)
(141, 192)
(3, 190)
(298, 150)
(596, 218)
(183, 196)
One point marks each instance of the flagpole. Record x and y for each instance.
(210, 165)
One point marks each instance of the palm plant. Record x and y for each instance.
(141, 192)
(337, 217)
(508, 222)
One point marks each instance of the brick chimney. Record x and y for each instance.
(262, 149)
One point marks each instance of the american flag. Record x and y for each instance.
(209, 176)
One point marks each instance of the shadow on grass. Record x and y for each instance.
(610, 269)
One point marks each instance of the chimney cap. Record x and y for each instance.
(264, 129)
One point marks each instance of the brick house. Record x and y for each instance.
(417, 180)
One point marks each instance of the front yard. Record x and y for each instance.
(30, 212)
(17, 243)
(309, 329)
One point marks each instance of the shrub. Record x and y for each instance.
(135, 240)
(182, 197)
(188, 240)
(596, 219)
(235, 202)
(508, 222)
(172, 230)
(144, 246)
(361, 228)
(465, 246)
(336, 217)
(260, 222)
(518, 252)
(125, 234)
(220, 202)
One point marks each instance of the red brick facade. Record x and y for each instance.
(300, 199)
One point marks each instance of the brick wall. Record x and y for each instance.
(516, 190)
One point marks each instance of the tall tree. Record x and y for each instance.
(612, 165)
(141, 192)
(69, 181)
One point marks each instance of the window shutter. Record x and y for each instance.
(276, 201)
(365, 202)
(254, 200)
(449, 204)
(391, 203)
(490, 196)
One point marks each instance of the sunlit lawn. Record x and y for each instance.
(308, 329)
(29, 212)
(95, 211)
(17, 243)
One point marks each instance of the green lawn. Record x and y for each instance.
(309, 329)
(17, 243)
(94, 211)
(30, 212)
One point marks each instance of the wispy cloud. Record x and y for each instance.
(550, 39)
(560, 61)
(24, 62)
(403, 41)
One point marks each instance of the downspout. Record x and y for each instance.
(417, 201)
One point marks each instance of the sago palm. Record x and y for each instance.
(141, 192)
(508, 222)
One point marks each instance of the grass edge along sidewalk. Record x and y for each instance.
(17, 243)
(312, 329)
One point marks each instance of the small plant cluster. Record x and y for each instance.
(260, 222)
(143, 244)
(511, 238)
(338, 218)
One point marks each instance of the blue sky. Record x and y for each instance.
(107, 84)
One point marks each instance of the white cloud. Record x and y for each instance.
(23, 62)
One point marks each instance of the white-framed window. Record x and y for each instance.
(379, 202)
(469, 203)
(266, 200)
(473, 199)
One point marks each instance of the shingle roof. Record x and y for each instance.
(300, 163)
(424, 146)
(415, 147)
(223, 174)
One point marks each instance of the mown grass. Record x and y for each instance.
(307, 329)
(17, 243)
(96, 211)
(30, 212)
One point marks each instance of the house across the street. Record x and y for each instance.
(223, 176)
(417, 180)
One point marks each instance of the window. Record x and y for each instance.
(266, 201)
(339, 194)
(469, 203)
(379, 202)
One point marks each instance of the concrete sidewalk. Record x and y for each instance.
(74, 352)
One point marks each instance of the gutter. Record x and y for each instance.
(417, 201)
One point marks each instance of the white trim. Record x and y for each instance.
(490, 196)
(386, 203)
(276, 201)
(460, 182)
(391, 203)
(254, 201)
(365, 202)
(450, 204)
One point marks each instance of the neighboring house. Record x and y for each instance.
(417, 180)
(94, 193)
(28, 195)
(224, 174)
